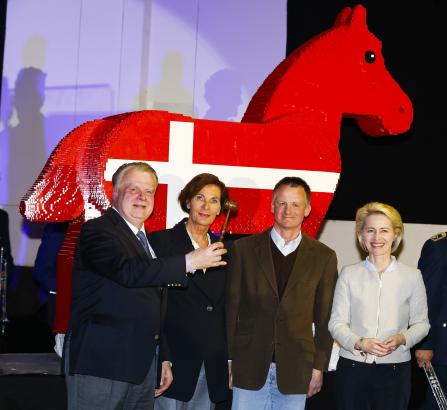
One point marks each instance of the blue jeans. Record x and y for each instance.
(199, 401)
(268, 397)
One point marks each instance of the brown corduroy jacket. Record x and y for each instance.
(259, 323)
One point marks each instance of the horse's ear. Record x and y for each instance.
(343, 17)
(354, 17)
(358, 17)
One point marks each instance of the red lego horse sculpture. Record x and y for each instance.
(291, 127)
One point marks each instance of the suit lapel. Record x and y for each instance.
(181, 241)
(301, 268)
(264, 258)
(123, 230)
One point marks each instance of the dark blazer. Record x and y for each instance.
(258, 322)
(4, 239)
(195, 322)
(45, 263)
(115, 311)
(433, 265)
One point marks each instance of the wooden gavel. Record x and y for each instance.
(229, 206)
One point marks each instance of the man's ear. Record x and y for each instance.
(307, 210)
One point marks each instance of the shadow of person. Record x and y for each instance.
(26, 143)
(169, 94)
(223, 94)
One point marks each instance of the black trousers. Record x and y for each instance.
(364, 386)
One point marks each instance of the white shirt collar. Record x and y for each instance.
(132, 227)
(370, 266)
(135, 230)
(285, 248)
(194, 243)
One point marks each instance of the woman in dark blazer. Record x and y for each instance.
(194, 319)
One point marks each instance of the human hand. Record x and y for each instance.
(165, 379)
(230, 376)
(374, 346)
(208, 257)
(393, 342)
(59, 343)
(424, 357)
(316, 382)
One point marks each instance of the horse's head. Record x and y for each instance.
(339, 72)
(369, 93)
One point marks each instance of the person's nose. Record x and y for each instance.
(141, 195)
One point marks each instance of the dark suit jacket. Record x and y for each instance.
(195, 322)
(258, 322)
(45, 263)
(4, 239)
(433, 265)
(115, 313)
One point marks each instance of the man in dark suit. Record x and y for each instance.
(280, 282)
(432, 351)
(114, 331)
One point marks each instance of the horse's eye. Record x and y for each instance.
(370, 57)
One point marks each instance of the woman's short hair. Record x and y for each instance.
(374, 208)
(196, 184)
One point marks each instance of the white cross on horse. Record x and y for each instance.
(180, 169)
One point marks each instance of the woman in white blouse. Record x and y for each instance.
(379, 312)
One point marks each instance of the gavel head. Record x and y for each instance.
(230, 206)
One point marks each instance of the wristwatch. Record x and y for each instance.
(358, 346)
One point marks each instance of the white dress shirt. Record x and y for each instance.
(285, 248)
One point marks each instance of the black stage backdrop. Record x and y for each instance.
(406, 171)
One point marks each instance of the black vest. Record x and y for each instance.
(283, 266)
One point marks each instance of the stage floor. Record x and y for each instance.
(30, 363)
(32, 381)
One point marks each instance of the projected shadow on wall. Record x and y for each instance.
(223, 92)
(26, 139)
(169, 94)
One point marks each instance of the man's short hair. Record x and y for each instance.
(139, 165)
(294, 182)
